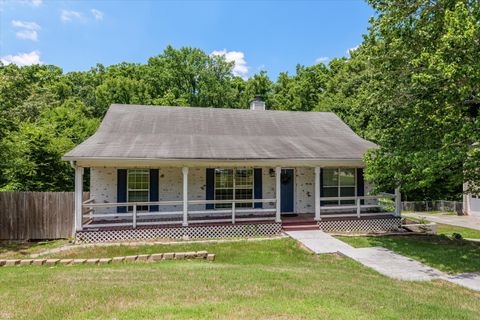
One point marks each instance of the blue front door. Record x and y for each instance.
(286, 190)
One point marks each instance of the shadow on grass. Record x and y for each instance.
(19, 250)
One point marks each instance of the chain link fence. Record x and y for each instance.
(437, 205)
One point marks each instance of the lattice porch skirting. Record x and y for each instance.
(365, 225)
(191, 232)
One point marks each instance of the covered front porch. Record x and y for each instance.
(132, 197)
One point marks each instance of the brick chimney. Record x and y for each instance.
(257, 103)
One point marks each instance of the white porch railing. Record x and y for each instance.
(362, 206)
(135, 218)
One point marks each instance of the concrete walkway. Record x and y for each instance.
(469, 280)
(471, 222)
(393, 265)
(382, 260)
(319, 242)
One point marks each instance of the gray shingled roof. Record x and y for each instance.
(154, 132)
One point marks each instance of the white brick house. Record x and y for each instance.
(186, 168)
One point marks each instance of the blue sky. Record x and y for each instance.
(275, 36)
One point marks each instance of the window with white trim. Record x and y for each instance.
(138, 187)
(339, 182)
(234, 184)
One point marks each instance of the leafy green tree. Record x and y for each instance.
(421, 95)
(121, 90)
(35, 150)
(190, 77)
(259, 84)
(301, 92)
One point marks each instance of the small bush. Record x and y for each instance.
(422, 220)
(457, 236)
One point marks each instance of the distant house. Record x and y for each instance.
(208, 172)
(471, 203)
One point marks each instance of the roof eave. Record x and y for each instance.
(190, 162)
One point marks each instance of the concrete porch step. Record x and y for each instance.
(300, 227)
(299, 223)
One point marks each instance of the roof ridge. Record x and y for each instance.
(213, 108)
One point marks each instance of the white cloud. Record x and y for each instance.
(352, 49)
(69, 15)
(97, 14)
(28, 30)
(30, 25)
(27, 35)
(22, 59)
(322, 59)
(238, 57)
(9, 3)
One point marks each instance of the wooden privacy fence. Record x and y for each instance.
(37, 215)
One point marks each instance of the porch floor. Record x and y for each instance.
(309, 217)
(173, 222)
(292, 221)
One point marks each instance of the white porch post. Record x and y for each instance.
(317, 194)
(398, 202)
(467, 198)
(78, 197)
(185, 196)
(278, 173)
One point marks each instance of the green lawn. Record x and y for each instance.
(445, 213)
(448, 230)
(438, 251)
(248, 280)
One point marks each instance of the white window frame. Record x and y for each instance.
(130, 208)
(339, 186)
(233, 187)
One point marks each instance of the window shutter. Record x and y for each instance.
(121, 189)
(257, 186)
(210, 187)
(153, 189)
(360, 184)
(322, 193)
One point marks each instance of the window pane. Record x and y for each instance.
(137, 196)
(223, 187)
(138, 179)
(330, 177)
(230, 182)
(223, 178)
(138, 185)
(244, 194)
(223, 194)
(244, 186)
(330, 192)
(243, 178)
(347, 176)
(347, 192)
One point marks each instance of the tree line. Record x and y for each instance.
(412, 86)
